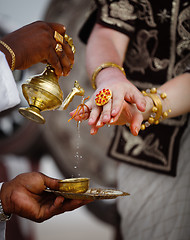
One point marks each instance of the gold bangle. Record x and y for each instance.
(157, 106)
(157, 115)
(100, 68)
(11, 52)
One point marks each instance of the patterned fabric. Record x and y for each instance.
(158, 51)
(159, 205)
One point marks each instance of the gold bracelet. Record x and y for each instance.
(101, 67)
(157, 115)
(11, 52)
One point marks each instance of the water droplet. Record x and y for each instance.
(77, 155)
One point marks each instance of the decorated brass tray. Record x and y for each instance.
(91, 194)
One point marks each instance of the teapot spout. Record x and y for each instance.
(76, 90)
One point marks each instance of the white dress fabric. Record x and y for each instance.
(159, 205)
(9, 95)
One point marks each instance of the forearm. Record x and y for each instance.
(178, 97)
(105, 45)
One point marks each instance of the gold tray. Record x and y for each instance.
(91, 194)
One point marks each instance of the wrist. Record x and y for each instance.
(9, 53)
(4, 216)
(157, 113)
(109, 76)
(109, 68)
(149, 105)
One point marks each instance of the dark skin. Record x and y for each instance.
(35, 43)
(25, 196)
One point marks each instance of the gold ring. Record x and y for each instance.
(103, 97)
(58, 37)
(58, 47)
(69, 40)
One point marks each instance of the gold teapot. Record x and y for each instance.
(43, 92)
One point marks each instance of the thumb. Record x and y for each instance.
(51, 183)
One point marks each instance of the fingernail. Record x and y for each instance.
(105, 117)
(136, 131)
(90, 120)
(92, 132)
(144, 104)
(98, 123)
(113, 111)
(112, 120)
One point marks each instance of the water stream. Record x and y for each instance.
(77, 156)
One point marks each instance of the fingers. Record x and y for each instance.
(80, 117)
(61, 61)
(136, 124)
(86, 113)
(122, 108)
(58, 27)
(68, 50)
(94, 130)
(35, 43)
(69, 205)
(121, 93)
(95, 112)
(66, 56)
(130, 94)
(105, 115)
(81, 112)
(69, 53)
(62, 205)
(117, 102)
(50, 182)
(64, 51)
(129, 115)
(118, 112)
(133, 95)
(54, 60)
